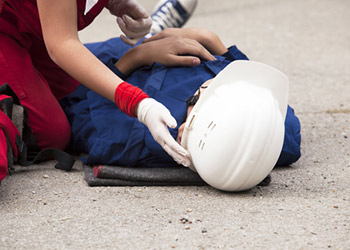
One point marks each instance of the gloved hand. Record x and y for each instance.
(132, 19)
(157, 118)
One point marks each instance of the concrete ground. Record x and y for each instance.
(307, 205)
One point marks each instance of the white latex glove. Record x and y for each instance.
(132, 19)
(157, 118)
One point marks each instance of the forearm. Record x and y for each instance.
(112, 6)
(132, 60)
(59, 26)
(81, 64)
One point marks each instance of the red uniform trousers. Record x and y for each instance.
(38, 82)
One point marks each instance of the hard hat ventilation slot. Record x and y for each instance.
(192, 120)
(201, 144)
(211, 125)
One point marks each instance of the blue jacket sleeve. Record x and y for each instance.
(292, 139)
(110, 64)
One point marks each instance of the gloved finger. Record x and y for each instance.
(130, 34)
(138, 26)
(162, 136)
(178, 153)
(130, 41)
(168, 119)
(121, 24)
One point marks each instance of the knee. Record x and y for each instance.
(61, 134)
(55, 134)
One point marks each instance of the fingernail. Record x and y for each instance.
(196, 62)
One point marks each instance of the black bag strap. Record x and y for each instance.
(65, 160)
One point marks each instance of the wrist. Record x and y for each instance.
(141, 55)
(196, 34)
(113, 7)
(131, 60)
(127, 97)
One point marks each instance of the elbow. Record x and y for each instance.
(58, 51)
(52, 52)
(52, 55)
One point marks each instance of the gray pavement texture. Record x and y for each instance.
(307, 205)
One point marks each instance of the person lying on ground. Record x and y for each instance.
(110, 137)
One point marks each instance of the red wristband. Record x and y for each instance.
(127, 96)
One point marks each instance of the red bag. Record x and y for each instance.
(12, 146)
(8, 135)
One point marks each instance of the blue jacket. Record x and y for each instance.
(111, 137)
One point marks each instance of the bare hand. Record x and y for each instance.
(176, 51)
(205, 37)
(170, 51)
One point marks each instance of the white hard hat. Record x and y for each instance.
(235, 132)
